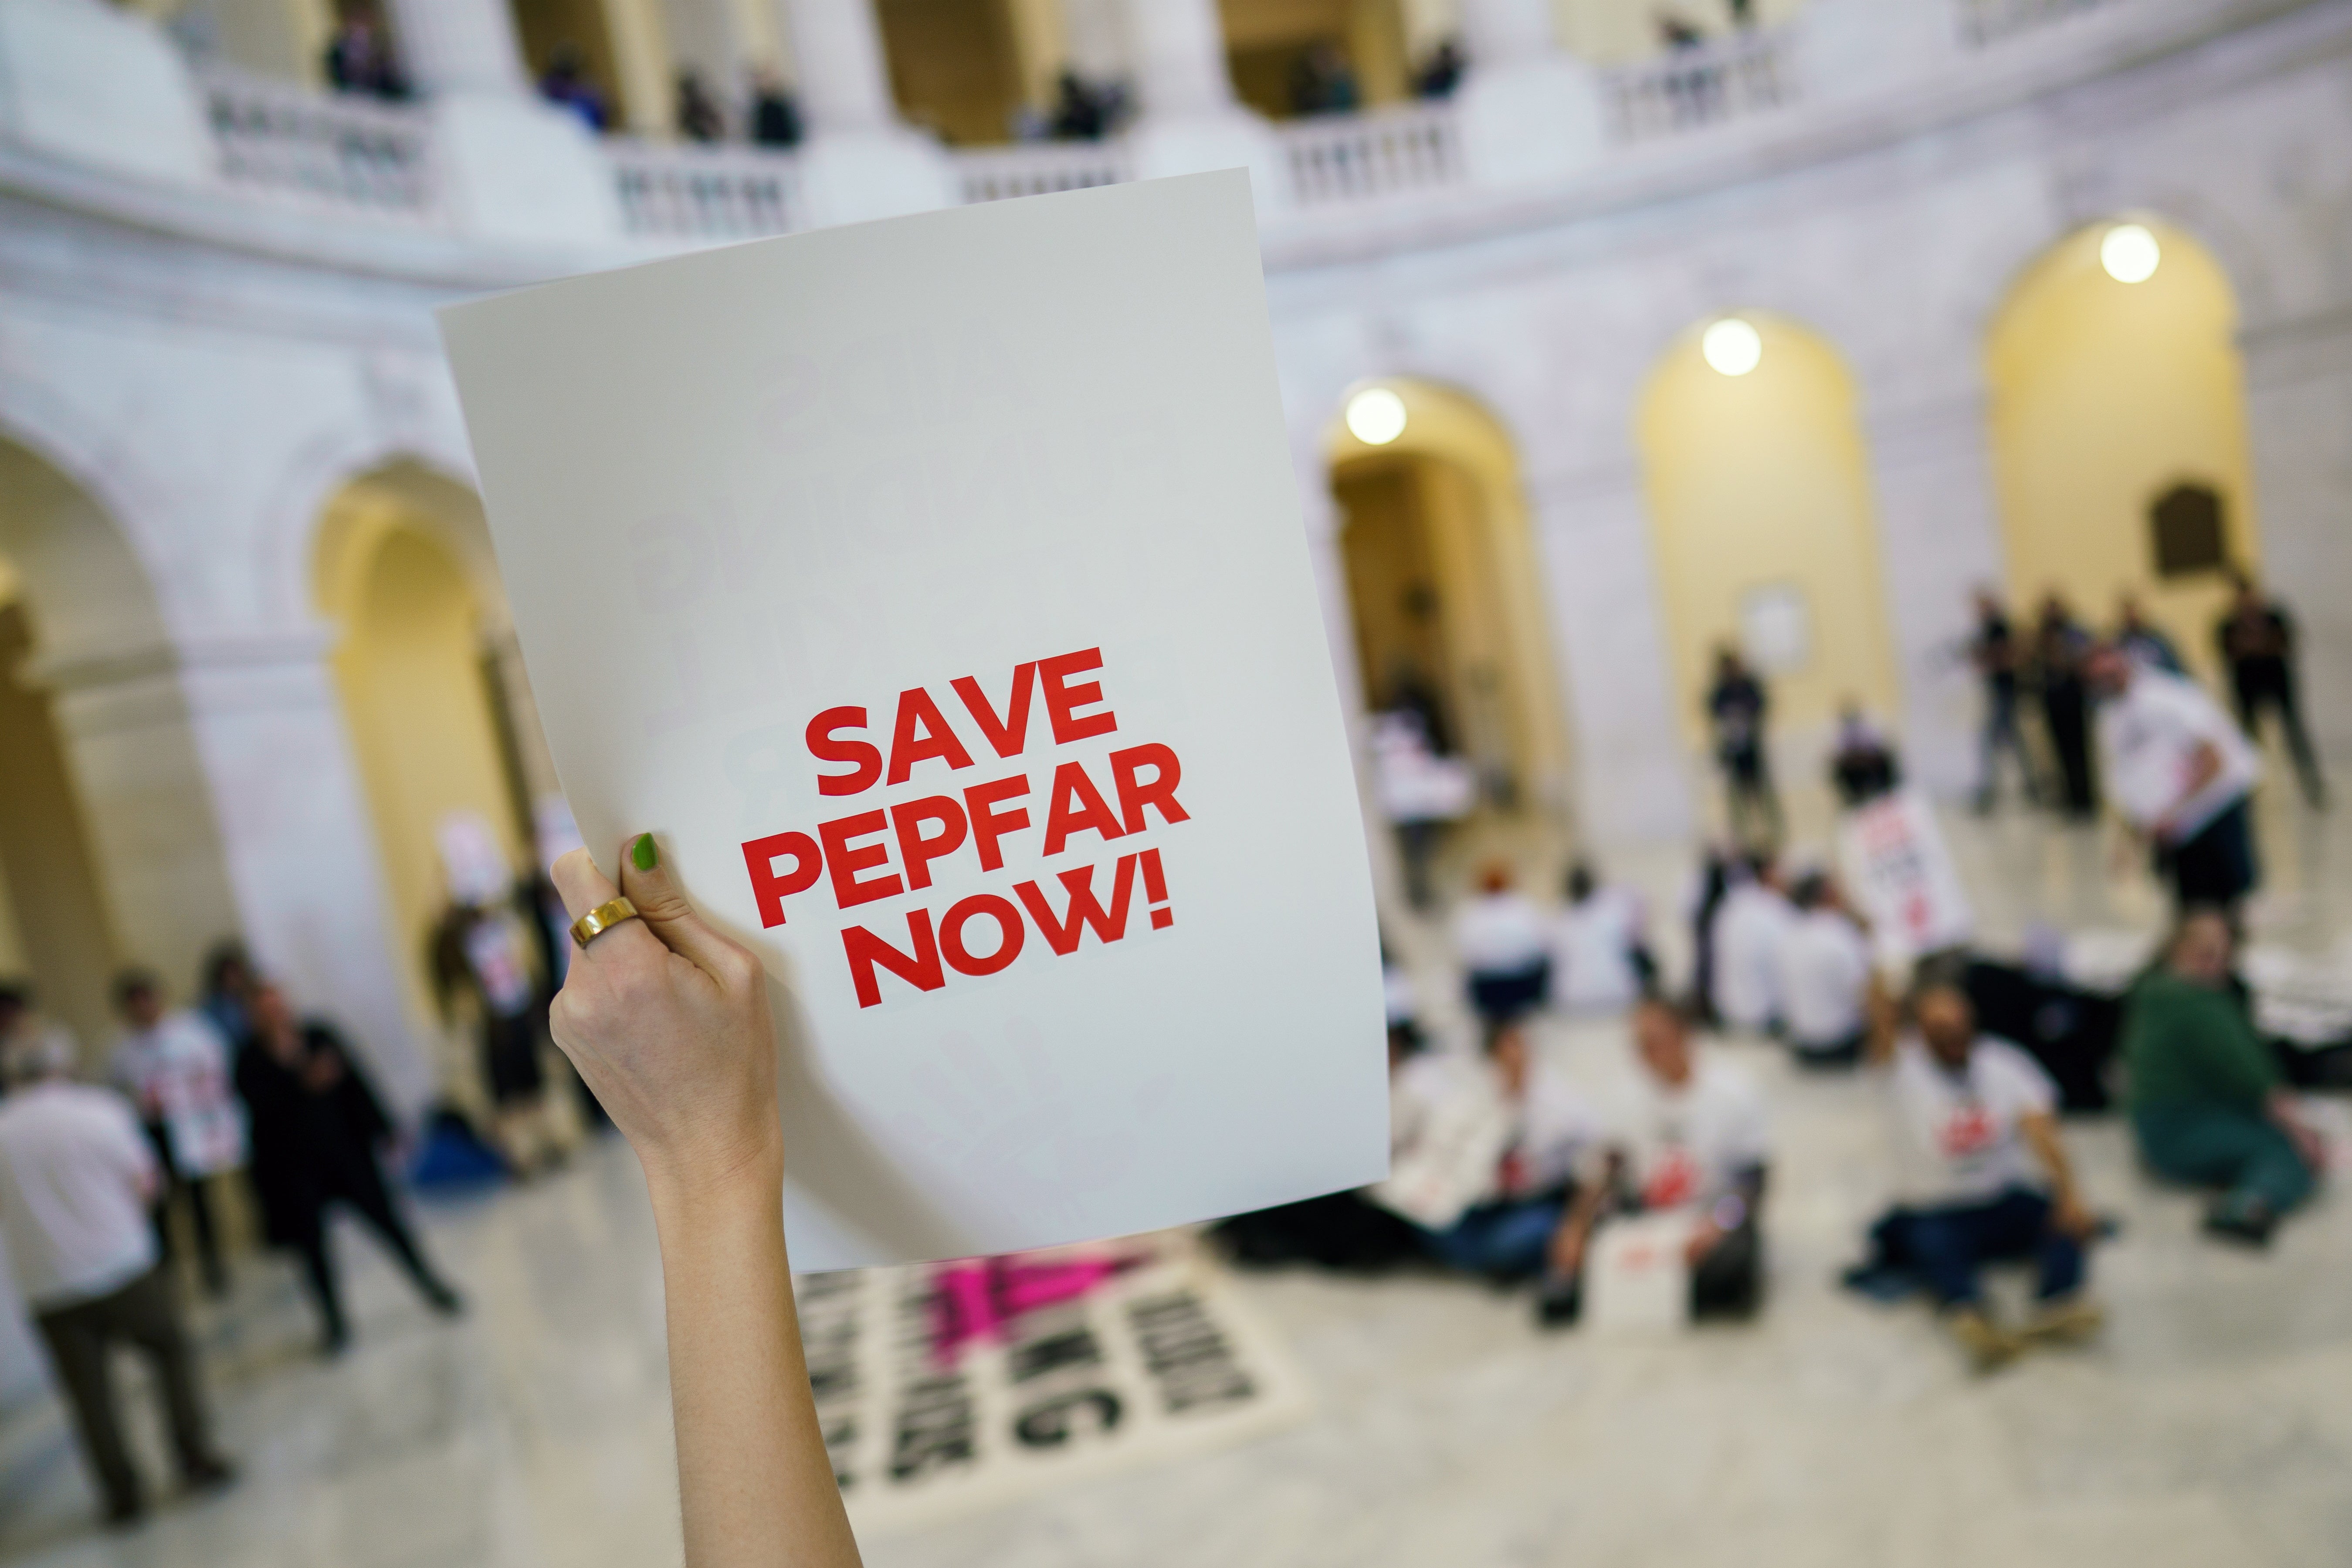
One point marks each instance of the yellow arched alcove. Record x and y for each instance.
(1765, 526)
(413, 664)
(1443, 587)
(2105, 396)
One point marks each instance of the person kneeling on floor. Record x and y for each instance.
(2208, 1102)
(1489, 1174)
(1689, 1134)
(1984, 1173)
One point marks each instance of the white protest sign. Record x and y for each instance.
(1901, 871)
(935, 591)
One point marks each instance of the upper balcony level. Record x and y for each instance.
(100, 106)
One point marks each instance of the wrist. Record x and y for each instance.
(745, 1173)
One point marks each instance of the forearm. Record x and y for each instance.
(755, 1484)
(2041, 1132)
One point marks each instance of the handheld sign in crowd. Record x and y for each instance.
(935, 591)
(1895, 861)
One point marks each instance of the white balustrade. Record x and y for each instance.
(1378, 153)
(333, 151)
(1036, 169)
(1703, 84)
(1988, 21)
(692, 191)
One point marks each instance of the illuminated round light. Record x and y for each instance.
(1732, 346)
(1376, 416)
(2129, 253)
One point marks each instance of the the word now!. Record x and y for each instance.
(933, 949)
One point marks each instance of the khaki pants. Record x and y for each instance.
(144, 1313)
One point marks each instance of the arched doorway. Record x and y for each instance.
(1443, 594)
(1766, 530)
(440, 717)
(1278, 54)
(2119, 431)
(964, 68)
(109, 853)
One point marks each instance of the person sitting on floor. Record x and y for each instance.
(1689, 1132)
(1601, 959)
(1984, 1175)
(2209, 1103)
(1488, 1173)
(1502, 938)
(1823, 977)
(1347, 1230)
(1748, 929)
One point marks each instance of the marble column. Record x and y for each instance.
(2299, 419)
(1940, 538)
(1600, 586)
(459, 45)
(511, 167)
(1192, 122)
(860, 161)
(222, 800)
(1527, 113)
(843, 79)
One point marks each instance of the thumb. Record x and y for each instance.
(645, 879)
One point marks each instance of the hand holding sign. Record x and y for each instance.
(666, 1021)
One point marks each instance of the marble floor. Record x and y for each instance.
(2211, 1424)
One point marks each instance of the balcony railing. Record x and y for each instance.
(1037, 169)
(321, 150)
(1380, 152)
(705, 192)
(1988, 21)
(1706, 84)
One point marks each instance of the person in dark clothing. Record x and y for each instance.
(359, 60)
(1994, 652)
(317, 1126)
(2257, 642)
(1714, 882)
(566, 85)
(2209, 1103)
(699, 118)
(1079, 112)
(1736, 705)
(2061, 644)
(1863, 765)
(775, 117)
(228, 982)
(1441, 73)
(481, 965)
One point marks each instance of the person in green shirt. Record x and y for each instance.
(2206, 1098)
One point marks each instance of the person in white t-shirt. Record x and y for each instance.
(2181, 772)
(1983, 1176)
(175, 1067)
(1600, 959)
(1516, 1134)
(1687, 1132)
(1505, 944)
(1748, 929)
(76, 1176)
(1822, 973)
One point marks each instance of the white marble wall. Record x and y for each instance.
(211, 372)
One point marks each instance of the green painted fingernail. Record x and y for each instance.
(643, 855)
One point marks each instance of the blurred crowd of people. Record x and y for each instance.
(239, 1116)
(1506, 1167)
